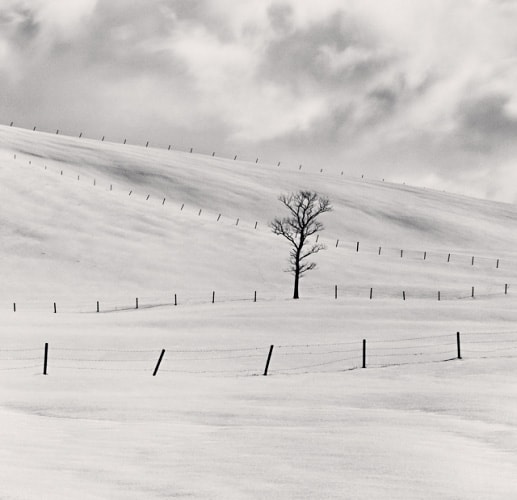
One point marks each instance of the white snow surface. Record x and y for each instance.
(417, 423)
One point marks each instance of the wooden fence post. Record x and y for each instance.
(380, 250)
(425, 255)
(14, 306)
(506, 288)
(97, 306)
(55, 308)
(218, 217)
(213, 297)
(268, 360)
(136, 303)
(371, 293)
(472, 260)
(357, 247)
(401, 253)
(438, 295)
(472, 292)
(403, 295)
(497, 264)
(256, 222)
(158, 363)
(255, 296)
(182, 206)
(45, 359)
(449, 258)
(175, 300)
(458, 344)
(335, 292)
(364, 353)
(337, 243)
(237, 223)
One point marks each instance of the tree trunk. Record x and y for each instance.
(296, 276)
(296, 280)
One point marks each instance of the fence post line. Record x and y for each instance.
(158, 363)
(458, 344)
(268, 360)
(45, 359)
(364, 353)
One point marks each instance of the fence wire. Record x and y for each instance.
(287, 359)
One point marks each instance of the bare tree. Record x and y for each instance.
(304, 208)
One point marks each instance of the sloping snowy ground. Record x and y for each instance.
(416, 423)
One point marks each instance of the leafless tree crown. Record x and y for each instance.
(304, 208)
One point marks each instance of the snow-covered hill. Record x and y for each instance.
(83, 221)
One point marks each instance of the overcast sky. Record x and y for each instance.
(418, 91)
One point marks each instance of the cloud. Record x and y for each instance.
(416, 91)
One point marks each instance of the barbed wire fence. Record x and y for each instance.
(435, 255)
(339, 293)
(282, 359)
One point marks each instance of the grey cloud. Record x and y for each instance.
(299, 58)
(18, 27)
(484, 125)
(280, 16)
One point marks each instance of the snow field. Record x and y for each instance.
(416, 423)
